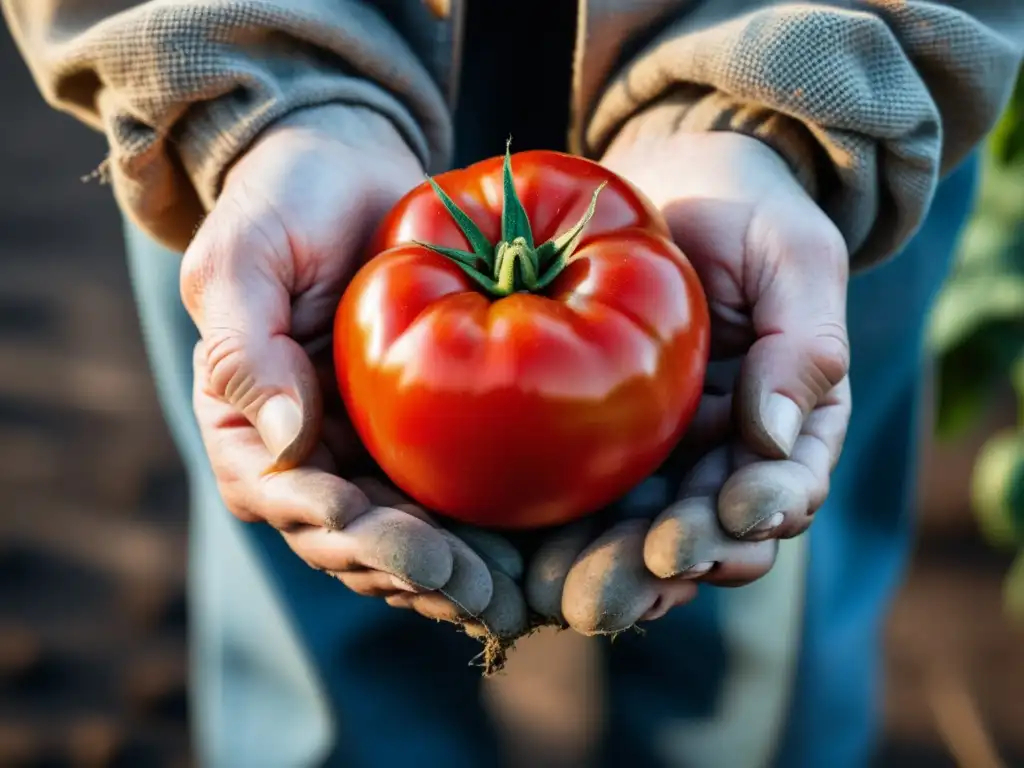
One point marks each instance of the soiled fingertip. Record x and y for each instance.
(608, 589)
(752, 500)
(549, 567)
(389, 540)
(340, 503)
(544, 594)
(470, 586)
(506, 617)
(682, 537)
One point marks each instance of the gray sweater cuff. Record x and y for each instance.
(892, 99)
(699, 110)
(186, 90)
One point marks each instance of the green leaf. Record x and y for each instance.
(514, 221)
(554, 255)
(465, 261)
(546, 254)
(1007, 139)
(479, 278)
(965, 380)
(969, 372)
(462, 257)
(481, 246)
(567, 242)
(970, 302)
(997, 489)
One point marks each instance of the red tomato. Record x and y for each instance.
(535, 391)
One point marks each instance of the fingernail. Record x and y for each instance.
(279, 422)
(782, 421)
(768, 524)
(699, 569)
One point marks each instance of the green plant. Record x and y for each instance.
(977, 334)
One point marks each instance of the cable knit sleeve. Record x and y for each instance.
(889, 93)
(182, 87)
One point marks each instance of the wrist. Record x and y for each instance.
(362, 141)
(365, 131)
(698, 111)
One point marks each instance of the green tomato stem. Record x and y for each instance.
(515, 224)
(514, 264)
(515, 268)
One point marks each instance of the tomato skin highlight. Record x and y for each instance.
(533, 409)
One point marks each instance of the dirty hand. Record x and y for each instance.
(261, 280)
(756, 463)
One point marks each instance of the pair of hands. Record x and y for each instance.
(262, 280)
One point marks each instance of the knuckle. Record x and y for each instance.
(226, 360)
(818, 239)
(238, 235)
(200, 264)
(830, 246)
(811, 244)
(830, 352)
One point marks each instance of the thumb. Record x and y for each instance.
(802, 349)
(234, 286)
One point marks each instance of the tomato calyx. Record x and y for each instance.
(515, 264)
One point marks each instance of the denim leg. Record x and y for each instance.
(786, 671)
(289, 668)
(859, 553)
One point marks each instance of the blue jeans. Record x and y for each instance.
(291, 669)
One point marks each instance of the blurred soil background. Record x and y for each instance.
(93, 524)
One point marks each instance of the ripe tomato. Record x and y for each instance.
(513, 385)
